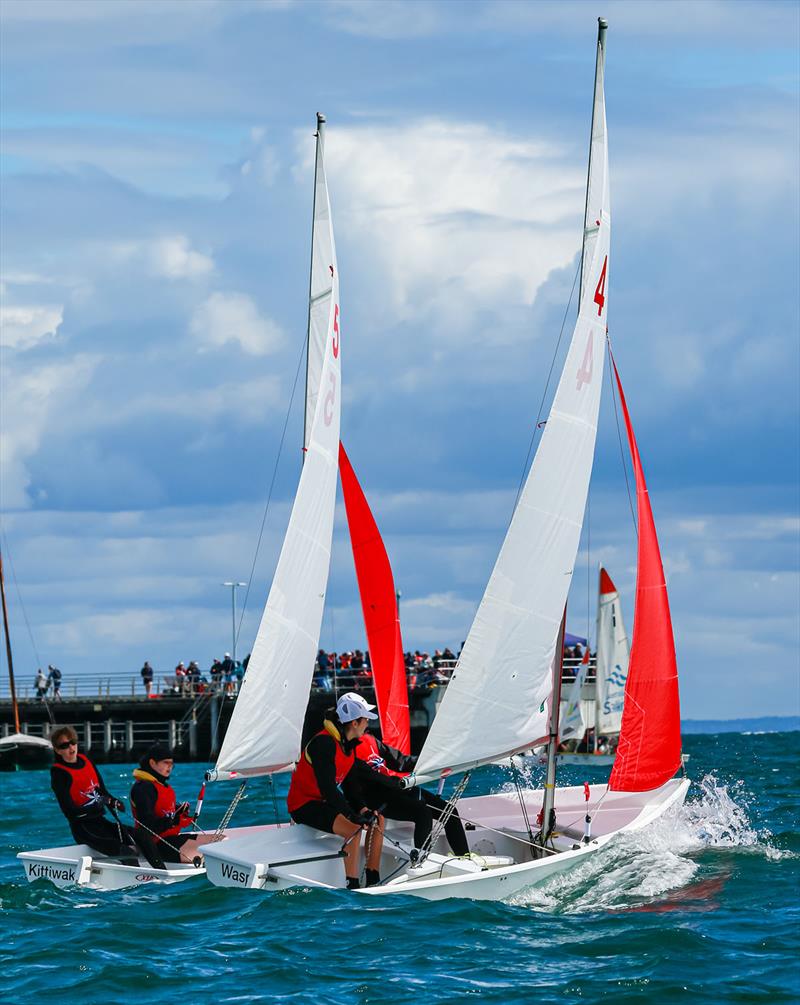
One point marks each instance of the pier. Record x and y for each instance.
(117, 721)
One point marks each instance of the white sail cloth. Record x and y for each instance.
(613, 653)
(496, 702)
(265, 730)
(572, 722)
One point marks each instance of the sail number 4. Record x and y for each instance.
(584, 374)
(600, 292)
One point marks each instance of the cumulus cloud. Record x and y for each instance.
(459, 216)
(31, 401)
(233, 317)
(170, 257)
(23, 325)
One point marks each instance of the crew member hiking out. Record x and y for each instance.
(387, 767)
(84, 799)
(155, 810)
(324, 792)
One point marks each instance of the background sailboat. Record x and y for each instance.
(18, 750)
(595, 725)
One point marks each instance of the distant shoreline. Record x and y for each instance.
(755, 724)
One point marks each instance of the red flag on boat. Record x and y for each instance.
(379, 604)
(649, 750)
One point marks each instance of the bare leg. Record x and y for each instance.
(347, 829)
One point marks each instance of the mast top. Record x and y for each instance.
(321, 120)
(602, 25)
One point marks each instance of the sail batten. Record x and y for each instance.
(510, 648)
(264, 734)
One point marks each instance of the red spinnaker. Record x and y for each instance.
(649, 751)
(379, 604)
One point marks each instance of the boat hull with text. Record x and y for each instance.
(502, 861)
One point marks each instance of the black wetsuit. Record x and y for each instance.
(144, 798)
(89, 824)
(417, 805)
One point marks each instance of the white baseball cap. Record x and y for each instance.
(352, 706)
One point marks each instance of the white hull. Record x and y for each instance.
(80, 865)
(501, 864)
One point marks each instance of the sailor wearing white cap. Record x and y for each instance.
(324, 792)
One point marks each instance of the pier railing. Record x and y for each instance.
(122, 684)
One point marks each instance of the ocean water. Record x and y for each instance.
(701, 907)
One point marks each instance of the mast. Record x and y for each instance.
(320, 134)
(8, 650)
(590, 227)
(548, 813)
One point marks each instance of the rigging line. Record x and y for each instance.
(219, 834)
(544, 393)
(444, 816)
(274, 795)
(619, 438)
(19, 597)
(271, 489)
(588, 567)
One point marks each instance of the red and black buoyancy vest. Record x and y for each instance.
(369, 751)
(165, 803)
(84, 785)
(303, 787)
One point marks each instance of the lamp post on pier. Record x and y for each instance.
(233, 588)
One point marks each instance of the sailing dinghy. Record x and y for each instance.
(503, 697)
(265, 729)
(18, 750)
(613, 654)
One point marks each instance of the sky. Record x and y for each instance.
(157, 170)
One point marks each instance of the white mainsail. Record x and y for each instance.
(572, 721)
(265, 730)
(496, 701)
(613, 652)
(320, 283)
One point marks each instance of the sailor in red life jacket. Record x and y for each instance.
(155, 810)
(324, 792)
(83, 798)
(387, 766)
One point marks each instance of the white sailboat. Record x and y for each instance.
(503, 697)
(613, 654)
(265, 729)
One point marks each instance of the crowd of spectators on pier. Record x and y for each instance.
(333, 671)
(349, 669)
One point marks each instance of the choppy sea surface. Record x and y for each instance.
(701, 907)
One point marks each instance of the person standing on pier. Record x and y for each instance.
(84, 799)
(147, 677)
(54, 677)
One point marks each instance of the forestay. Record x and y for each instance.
(496, 702)
(613, 650)
(265, 731)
